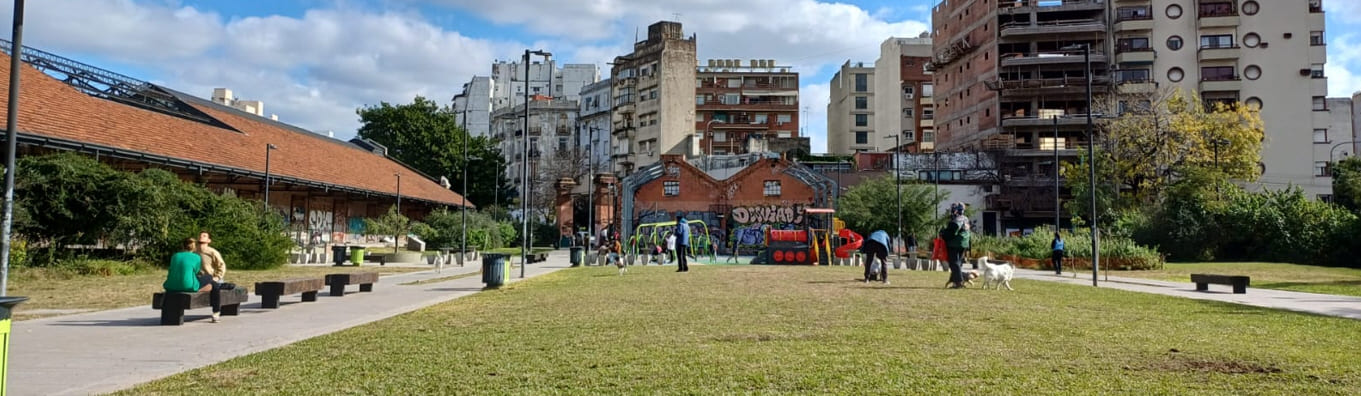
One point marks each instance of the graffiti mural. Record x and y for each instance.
(768, 214)
(319, 223)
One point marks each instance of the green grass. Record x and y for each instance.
(49, 288)
(809, 330)
(1293, 277)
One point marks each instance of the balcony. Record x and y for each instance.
(1220, 53)
(1048, 58)
(1233, 85)
(1219, 14)
(1042, 122)
(1048, 86)
(928, 123)
(1135, 55)
(1134, 23)
(1137, 87)
(1022, 29)
(928, 100)
(1026, 6)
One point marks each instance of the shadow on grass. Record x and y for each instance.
(459, 289)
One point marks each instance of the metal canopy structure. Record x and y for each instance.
(112, 86)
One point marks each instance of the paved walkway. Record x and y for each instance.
(1322, 304)
(106, 351)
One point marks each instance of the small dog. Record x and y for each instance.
(998, 274)
(969, 276)
(876, 268)
(619, 262)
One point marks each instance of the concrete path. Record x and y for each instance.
(106, 351)
(1322, 304)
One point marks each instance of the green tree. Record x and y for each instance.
(870, 206)
(1347, 183)
(428, 138)
(391, 224)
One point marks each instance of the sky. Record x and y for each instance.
(314, 62)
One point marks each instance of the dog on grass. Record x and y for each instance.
(996, 274)
(876, 270)
(968, 276)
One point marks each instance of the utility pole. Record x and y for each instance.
(12, 142)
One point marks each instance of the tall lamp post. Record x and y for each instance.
(1091, 161)
(524, 169)
(590, 183)
(395, 242)
(12, 134)
(898, 185)
(1334, 149)
(1057, 204)
(708, 130)
(268, 148)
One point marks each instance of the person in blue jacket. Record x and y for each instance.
(682, 244)
(876, 248)
(1057, 246)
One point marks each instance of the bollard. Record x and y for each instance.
(6, 307)
(896, 262)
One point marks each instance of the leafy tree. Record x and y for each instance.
(444, 228)
(1347, 184)
(870, 206)
(428, 138)
(392, 223)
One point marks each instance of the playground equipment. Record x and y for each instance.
(650, 235)
(809, 246)
(853, 242)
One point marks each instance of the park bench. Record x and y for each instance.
(1202, 281)
(173, 304)
(381, 259)
(538, 257)
(365, 280)
(269, 292)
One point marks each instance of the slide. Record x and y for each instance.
(853, 242)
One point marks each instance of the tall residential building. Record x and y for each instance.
(903, 100)
(654, 91)
(545, 80)
(849, 113)
(1334, 143)
(473, 106)
(552, 124)
(738, 105)
(594, 120)
(1356, 126)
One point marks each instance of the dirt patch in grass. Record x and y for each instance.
(1176, 362)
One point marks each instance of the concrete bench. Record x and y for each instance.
(173, 304)
(365, 280)
(381, 259)
(269, 292)
(1203, 281)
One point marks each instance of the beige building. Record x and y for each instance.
(1264, 53)
(654, 98)
(904, 101)
(223, 96)
(850, 112)
(740, 104)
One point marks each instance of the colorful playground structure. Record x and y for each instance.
(853, 242)
(809, 246)
(650, 235)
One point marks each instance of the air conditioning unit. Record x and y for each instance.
(909, 96)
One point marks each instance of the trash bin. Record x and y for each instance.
(357, 255)
(494, 269)
(6, 306)
(577, 252)
(338, 254)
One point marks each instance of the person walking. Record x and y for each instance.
(956, 236)
(682, 244)
(876, 250)
(912, 247)
(670, 247)
(1057, 246)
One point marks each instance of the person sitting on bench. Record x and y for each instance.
(186, 276)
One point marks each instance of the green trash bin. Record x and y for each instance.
(495, 272)
(6, 306)
(357, 255)
(577, 252)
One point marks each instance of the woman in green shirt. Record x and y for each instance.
(184, 277)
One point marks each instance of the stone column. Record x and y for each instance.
(563, 203)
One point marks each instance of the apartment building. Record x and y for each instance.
(738, 104)
(545, 79)
(473, 106)
(552, 126)
(654, 91)
(223, 96)
(850, 128)
(904, 101)
(593, 133)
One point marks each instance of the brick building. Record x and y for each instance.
(735, 103)
(739, 193)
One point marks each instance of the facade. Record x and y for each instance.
(545, 79)
(223, 96)
(1334, 143)
(552, 127)
(1356, 127)
(473, 106)
(904, 101)
(593, 136)
(736, 102)
(654, 98)
(850, 115)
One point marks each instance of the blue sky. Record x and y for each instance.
(314, 61)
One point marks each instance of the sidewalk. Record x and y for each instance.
(106, 351)
(1321, 304)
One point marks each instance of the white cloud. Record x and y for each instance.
(1344, 56)
(119, 29)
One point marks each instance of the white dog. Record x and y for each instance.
(998, 274)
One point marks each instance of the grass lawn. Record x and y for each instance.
(1294, 277)
(766, 329)
(48, 289)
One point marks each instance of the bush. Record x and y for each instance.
(444, 228)
(1033, 251)
(97, 267)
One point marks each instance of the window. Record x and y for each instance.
(928, 90)
(928, 114)
(772, 188)
(1133, 44)
(1320, 136)
(1316, 70)
(720, 136)
(1217, 73)
(563, 146)
(671, 188)
(908, 91)
(1316, 38)
(862, 102)
(785, 118)
(699, 116)
(909, 134)
(1175, 74)
(1132, 13)
(1320, 103)
(1217, 9)
(1320, 168)
(862, 120)
(734, 83)
(1315, 5)
(1174, 43)
(1132, 76)
(699, 83)
(1253, 103)
(861, 82)
(1217, 41)
(732, 99)
(1252, 72)
(1252, 40)
(699, 100)
(761, 118)
(1251, 7)
(862, 137)
(908, 113)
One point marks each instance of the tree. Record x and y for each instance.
(1347, 184)
(392, 223)
(870, 205)
(428, 138)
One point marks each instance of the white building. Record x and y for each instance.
(552, 124)
(903, 100)
(473, 106)
(594, 120)
(850, 114)
(545, 79)
(223, 96)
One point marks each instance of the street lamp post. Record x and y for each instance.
(708, 130)
(395, 242)
(1057, 204)
(12, 134)
(466, 136)
(1091, 161)
(524, 168)
(268, 148)
(898, 185)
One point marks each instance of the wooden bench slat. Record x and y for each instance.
(270, 291)
(365, 280)
(1240, 283)
(173, 304)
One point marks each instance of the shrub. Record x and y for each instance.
(1034, 250)
(98, 267)
(444, 228)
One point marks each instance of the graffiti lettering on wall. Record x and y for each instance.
(768, 214)
(319, 223)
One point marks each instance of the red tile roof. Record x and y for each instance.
(51, 108)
